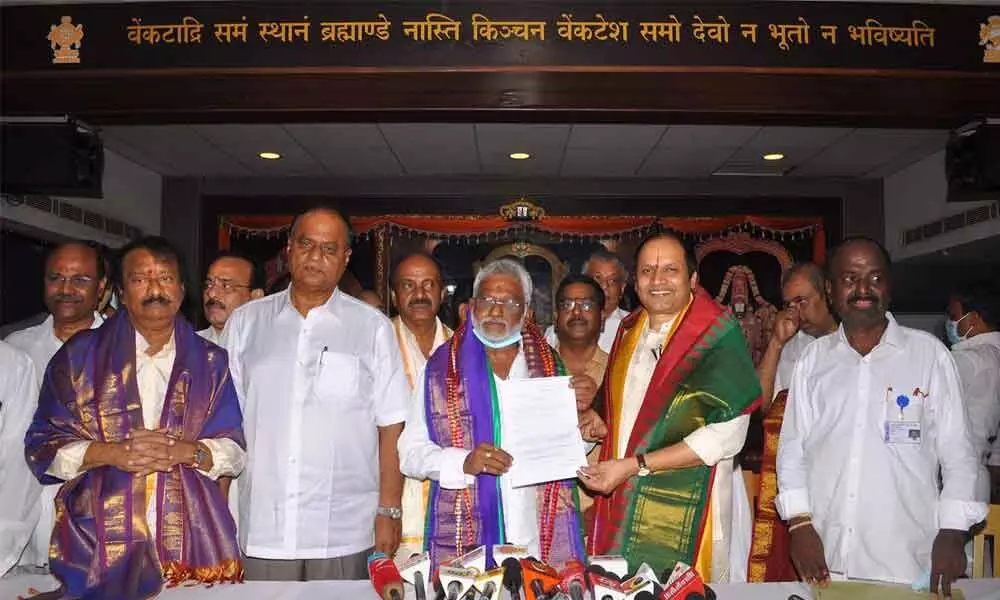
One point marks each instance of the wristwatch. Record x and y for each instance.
(643, 469)
(389, 511)
(200, 456)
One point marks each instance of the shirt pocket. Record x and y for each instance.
(339, 376)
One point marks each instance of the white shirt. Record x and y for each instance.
(790, 354)
(314, 392)
(978, 362)
(19, 490)
(716, 444)
(608, 334)
(420, 458)
(211, 334)
(152, 375)
(876, 505)
(41, 344)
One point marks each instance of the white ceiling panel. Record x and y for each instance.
(862, 152)
(684, 162)
(348, 149)
(246, 142)
(606, 137)
(433, 148)
(598, 162)
(180, 147)
(706, 136)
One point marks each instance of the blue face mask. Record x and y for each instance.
(951, 330)
(507, 341)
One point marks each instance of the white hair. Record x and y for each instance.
(505, 266)
(605, 256)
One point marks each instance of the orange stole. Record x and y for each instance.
(769, 556)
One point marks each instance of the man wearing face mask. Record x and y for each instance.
(75, 280)
(455, 426)
(417, 293)
(139, 418)
(231, 282)
(973, 316)
(876, 467)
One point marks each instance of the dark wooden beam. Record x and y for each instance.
(672, 95)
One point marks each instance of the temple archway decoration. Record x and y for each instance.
(742, 243)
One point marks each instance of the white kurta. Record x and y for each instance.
(877, 505)
(314, 392)
(790, 354)
(420, 458)
(19, 490)
(152, 374)
(211, 334)
(41, 344)
(715, 444)
(978, 362)
(607, 338)
(414, 511)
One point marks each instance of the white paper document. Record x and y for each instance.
(540, 430)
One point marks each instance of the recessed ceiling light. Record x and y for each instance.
(774, 156)
(519, 156)
(269, 155)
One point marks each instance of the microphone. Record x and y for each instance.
(648, 573)
(686, 584)
(605, 588)
(416, 571)
(456, 581)
(489, 584)
(644, 595)
(474, 559)
(539, 579)
(512, 577)
(573, 579)
(612, 563)
(385, 577)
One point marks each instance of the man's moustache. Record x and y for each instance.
(859, 298)
(421, 302)
(576, 321)
(64, 298)
(155, 299)
(215, 303)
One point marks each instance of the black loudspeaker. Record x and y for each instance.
(972, 164)
(54, 159)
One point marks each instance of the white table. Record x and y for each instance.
(978, 589)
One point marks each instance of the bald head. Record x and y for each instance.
(803, 289)
(417, 288)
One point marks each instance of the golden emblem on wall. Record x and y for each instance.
(65, 39)
(521, 210)
(989, 37)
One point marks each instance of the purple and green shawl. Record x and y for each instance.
(101, 546)
(462, 412)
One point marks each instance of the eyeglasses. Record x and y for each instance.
(77, 281)
(505, 304)
(570, 303)
(226, 285)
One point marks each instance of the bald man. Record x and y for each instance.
(74, 281)
(417, 293)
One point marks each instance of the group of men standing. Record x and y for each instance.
(320, 405)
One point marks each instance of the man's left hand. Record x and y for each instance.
(947, 560)
(388, 534)
(592, 426)
(605, 476)
(585, 388)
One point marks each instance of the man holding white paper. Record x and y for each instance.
(469, 402)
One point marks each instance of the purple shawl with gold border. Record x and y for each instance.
(462, 412)
(101, 546)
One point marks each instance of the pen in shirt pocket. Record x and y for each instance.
(321, 353)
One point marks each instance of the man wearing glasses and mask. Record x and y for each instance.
(74, 280)
(232, 281)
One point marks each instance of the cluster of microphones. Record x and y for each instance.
(523, 577)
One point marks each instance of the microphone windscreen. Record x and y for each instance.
(512, 573)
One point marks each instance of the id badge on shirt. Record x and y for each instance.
(902, 432)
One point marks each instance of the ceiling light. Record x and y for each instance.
(774, 156)
(269, 155)
(519, 156)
